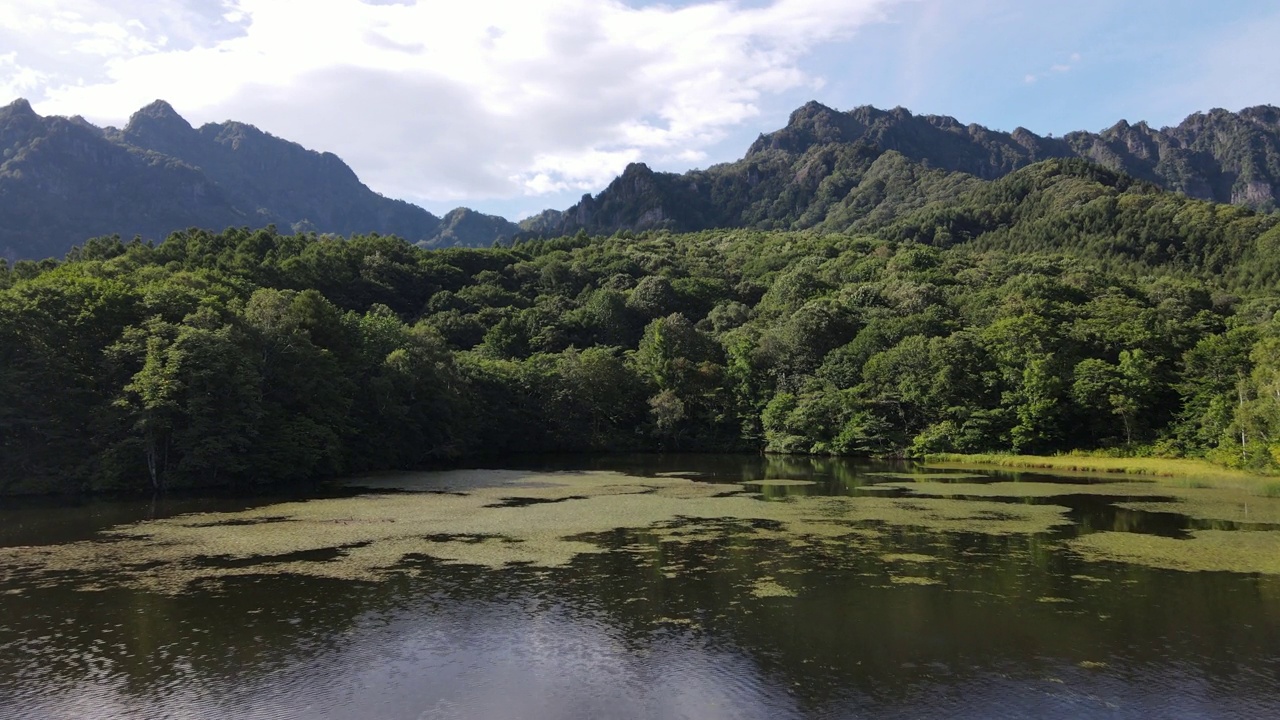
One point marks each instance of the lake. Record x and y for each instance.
(651, 587)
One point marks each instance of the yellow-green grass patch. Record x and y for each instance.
(1185, 470)
(1027, 489)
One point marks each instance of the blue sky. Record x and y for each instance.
(511, 107)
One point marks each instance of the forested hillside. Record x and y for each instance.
(1063, 307)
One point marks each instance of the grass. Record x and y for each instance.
(1198, 472)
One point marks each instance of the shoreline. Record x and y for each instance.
(1152, 468)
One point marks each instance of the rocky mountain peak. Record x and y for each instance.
(19, 107)
(158, 111)
(1118, 129)
(19, 124)
(158, 120)
(809, 111)
(636, 169)
(810, 124)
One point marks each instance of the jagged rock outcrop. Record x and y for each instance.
(818, 170)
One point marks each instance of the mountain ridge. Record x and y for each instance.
(64, 180)
(1218, 155)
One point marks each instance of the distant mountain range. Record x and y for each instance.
(64, 180)
(858, 169)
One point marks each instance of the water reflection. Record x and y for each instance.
(1011, 626)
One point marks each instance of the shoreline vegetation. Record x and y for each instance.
(1146, 468)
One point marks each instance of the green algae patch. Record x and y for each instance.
(777, 482)
(1205, 550)
(767, 587)
(1235, 505)
(1228, 503)
(469, 517)
(913, 580)
(908, 558)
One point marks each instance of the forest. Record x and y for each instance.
(1062, 307)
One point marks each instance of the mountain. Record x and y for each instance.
(464, 227)
(63, 180)
(863, 168)
(265, 175)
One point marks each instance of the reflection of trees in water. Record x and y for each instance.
(849, 630)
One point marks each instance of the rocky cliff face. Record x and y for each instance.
(1221, 156)
(818, 170)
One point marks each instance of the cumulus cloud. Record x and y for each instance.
(435, 100)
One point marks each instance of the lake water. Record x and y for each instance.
(646, 587)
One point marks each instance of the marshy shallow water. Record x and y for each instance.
(645, 587)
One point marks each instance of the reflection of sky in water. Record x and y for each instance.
(472, 660)
(549, 665)
(1017, 627)
(495, 660)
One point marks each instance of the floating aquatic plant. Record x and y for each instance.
(1205, 550)
(371, 536)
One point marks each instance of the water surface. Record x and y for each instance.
(639, 587)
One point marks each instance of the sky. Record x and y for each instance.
(514, 106)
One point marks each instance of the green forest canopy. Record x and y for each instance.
(1058, 308)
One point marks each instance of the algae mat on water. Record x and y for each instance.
(483, 518)
(1229, 504)
(1205, 550)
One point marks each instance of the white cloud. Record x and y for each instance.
(16, 80)
(1055, 69)
(435, 100)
